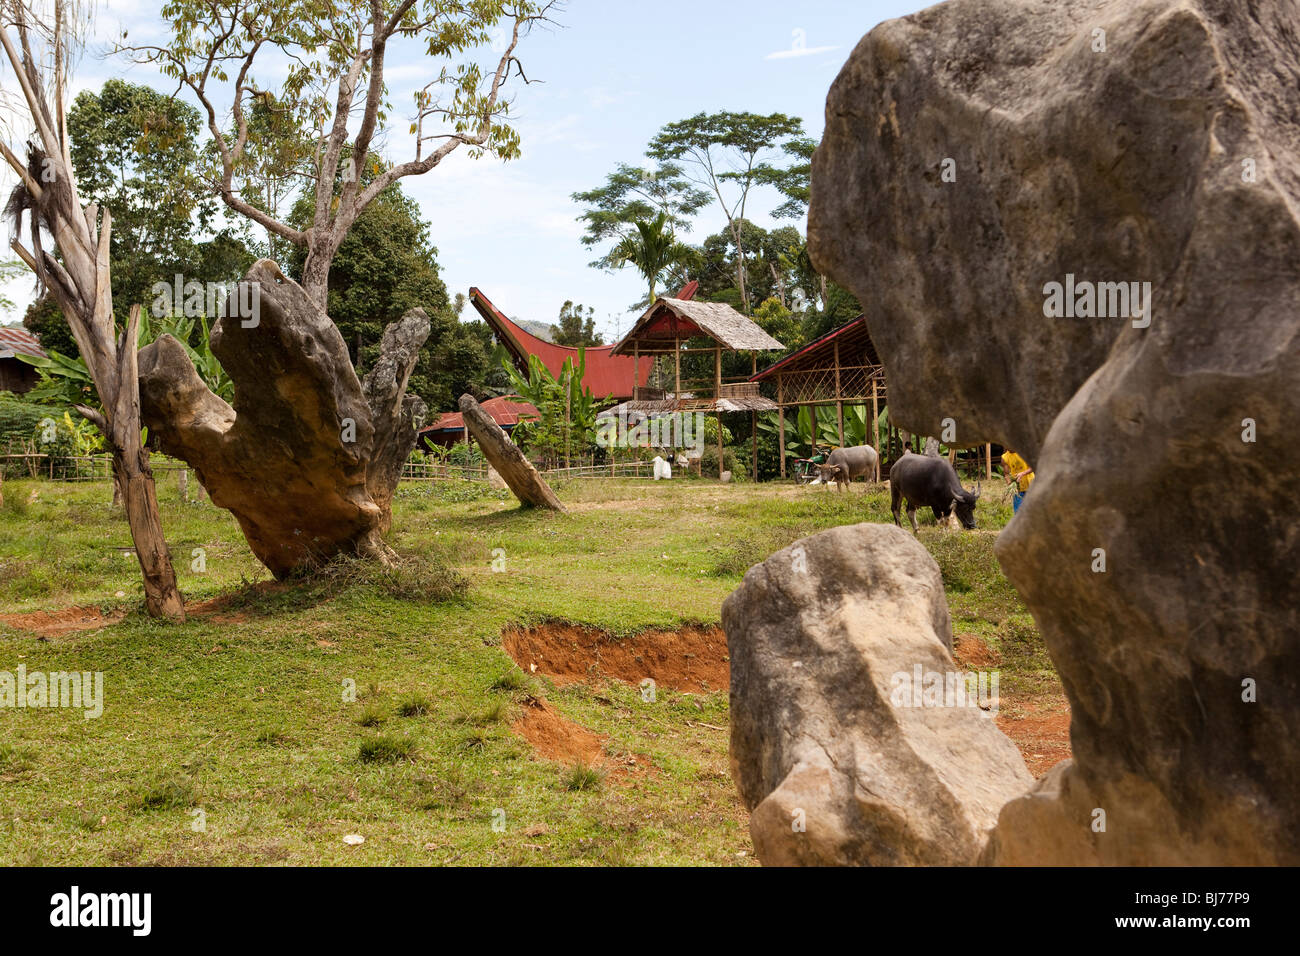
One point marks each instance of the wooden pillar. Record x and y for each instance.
(753, 415)
(875, 417)
(677, 367)
(988, 462)
(717, 396)
(780, 420)
(839, 399)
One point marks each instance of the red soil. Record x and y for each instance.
(690, 659)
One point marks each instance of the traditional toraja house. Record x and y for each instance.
(450, 426)
(840, 368)
(665, 329)
(16, 375)
(606, 373)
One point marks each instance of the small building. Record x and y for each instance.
(450, 426)
(841, 367)
(16, 375)
(666, 328)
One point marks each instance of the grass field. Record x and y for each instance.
(232, 739)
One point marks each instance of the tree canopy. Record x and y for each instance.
(386, 266)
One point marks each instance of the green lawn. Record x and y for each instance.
(237, 720)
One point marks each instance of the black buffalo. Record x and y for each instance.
(928, 482)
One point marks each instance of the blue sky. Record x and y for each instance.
(613, 74)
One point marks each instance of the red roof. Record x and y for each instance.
(605, 375)
(504, 412)
(19, 342)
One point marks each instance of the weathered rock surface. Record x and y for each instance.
(1167, 451)
(826, 639)
(506, 459)
(298, 458)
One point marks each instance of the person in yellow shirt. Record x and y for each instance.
(1016, 469)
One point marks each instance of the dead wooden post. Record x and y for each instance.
(504, 455)
(677, 364)
(80, 282)
(988, 462)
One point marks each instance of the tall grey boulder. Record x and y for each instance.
(981, 160)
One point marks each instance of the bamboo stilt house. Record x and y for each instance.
(667, 328)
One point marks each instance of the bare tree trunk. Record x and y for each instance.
(82, 286)
(161, 596)
(740, 270)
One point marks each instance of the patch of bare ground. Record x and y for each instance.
(68, 620)
(691, 658)
(557, 738)
(1039, 724)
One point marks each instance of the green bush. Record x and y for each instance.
(19, 419)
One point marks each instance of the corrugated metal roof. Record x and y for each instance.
(606, 374)
(669, 318)
(19, 342)
(504, 412)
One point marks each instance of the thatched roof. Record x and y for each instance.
(669, 319)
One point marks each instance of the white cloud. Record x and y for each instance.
(799, 51)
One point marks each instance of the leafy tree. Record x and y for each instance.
(327, 58)
(385, 267)
(576, 328)
(633, 194)
(9, 269)
(769, 269)
(653, 250)
(135, 151)
(727, 154)
(793, 182)
(780, 323)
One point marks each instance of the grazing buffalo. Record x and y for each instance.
(928, 482)
(845, 464)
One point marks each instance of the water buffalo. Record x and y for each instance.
(928, 482)
(845, 464)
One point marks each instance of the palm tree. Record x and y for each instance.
(653, 249)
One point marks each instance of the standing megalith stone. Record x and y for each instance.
(854, 739)
(979, 159)
(505, 457)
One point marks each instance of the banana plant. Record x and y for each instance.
(801, 427)
(566, 408)
(65, 380)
